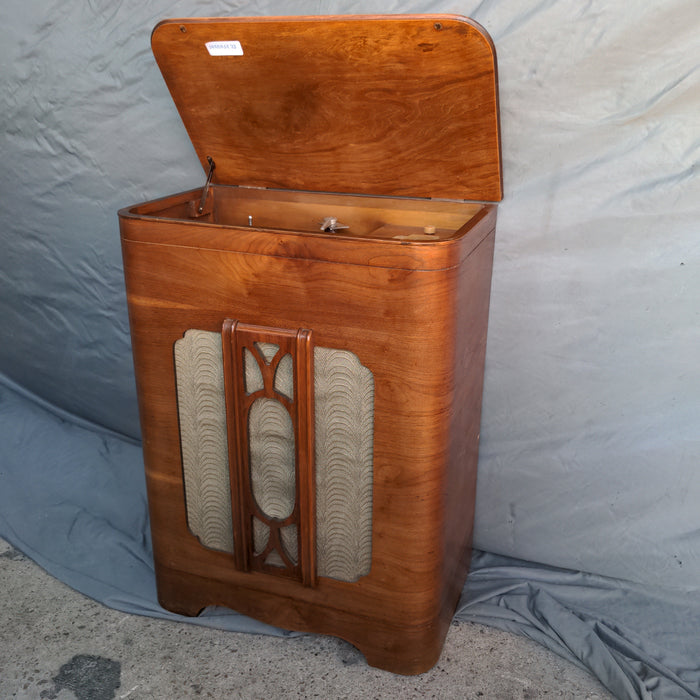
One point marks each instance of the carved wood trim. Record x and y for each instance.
(237, 338)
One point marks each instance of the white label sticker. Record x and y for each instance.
(224, 48)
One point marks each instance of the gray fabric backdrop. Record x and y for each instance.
(590, 435)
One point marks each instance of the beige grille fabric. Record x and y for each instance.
(344, 427)
(272, 471)
(202, 413)
(344, 406)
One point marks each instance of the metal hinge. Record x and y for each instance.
(195, 210)
(205, 190)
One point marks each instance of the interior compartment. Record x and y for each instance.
(282, 210)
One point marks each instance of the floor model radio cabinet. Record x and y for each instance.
(309, 326)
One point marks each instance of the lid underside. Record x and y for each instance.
(394, 105)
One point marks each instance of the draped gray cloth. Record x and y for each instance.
(590, 432)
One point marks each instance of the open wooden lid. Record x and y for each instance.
(403, 105)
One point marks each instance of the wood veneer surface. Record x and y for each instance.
(421, 501)
(392, 105)
(392, 110)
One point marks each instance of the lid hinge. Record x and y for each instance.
(200, 210)
(205, 191)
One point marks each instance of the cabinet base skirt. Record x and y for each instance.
(403, 649)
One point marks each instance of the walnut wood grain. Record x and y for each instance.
(237, 338)
(404, 325)
(391, 106)
(396, 105)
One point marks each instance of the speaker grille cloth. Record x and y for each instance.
(202, 411)
(344, 424)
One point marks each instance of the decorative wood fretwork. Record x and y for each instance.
(343, 452)
(273, 486)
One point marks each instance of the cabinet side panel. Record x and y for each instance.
(471, 310)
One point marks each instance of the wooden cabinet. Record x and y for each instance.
(309, 327)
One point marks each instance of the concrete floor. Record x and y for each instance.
(56, 644)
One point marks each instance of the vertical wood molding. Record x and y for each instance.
(243, 340)
(305, 441)
(235, 448)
